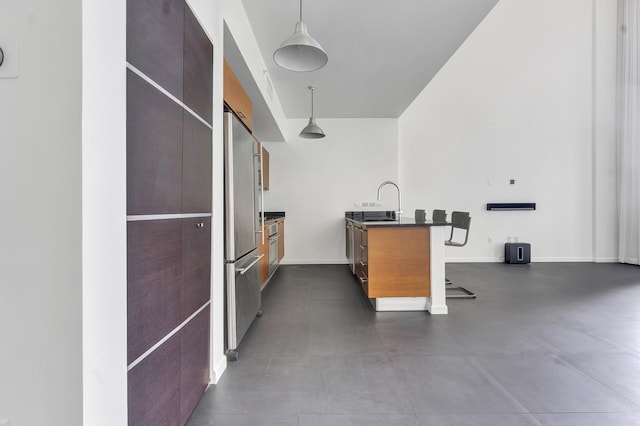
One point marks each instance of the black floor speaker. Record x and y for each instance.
(517, 253)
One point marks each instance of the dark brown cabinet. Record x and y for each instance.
(155, 41)
(166, 386)
(194, 361)
(196, 165)
(169, 154)
(265, 169)
(154, 253)
(198, 68)
(169, 189)
(153, 387)
(196, 265)
(154, 150)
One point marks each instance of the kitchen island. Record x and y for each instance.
(399, 263)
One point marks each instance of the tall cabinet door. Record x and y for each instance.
(196, 264)
(169, 193)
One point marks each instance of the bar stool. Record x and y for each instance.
(459, 221)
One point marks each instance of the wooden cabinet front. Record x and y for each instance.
(236, 98)
(398, 262)
(280, 239)
(264, 252)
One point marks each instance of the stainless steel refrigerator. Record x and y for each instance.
(243, 201)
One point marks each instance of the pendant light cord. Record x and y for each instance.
(311, 103)
(301, 10)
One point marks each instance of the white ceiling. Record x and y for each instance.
(382, 53)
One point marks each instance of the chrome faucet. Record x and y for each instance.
(388, 182)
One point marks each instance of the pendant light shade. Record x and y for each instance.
(300, 51)
(312, 130)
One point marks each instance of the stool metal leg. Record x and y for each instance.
(464, 293)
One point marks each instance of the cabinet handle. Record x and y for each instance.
(363, 247)
(363, 263)
(362, 280)
(200, 225)
(241, 115)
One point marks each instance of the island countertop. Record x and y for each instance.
(402, 221)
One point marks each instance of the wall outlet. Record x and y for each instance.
(489, 240)
(516, 239)
(356, 205)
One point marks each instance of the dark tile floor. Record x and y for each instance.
(543, 344)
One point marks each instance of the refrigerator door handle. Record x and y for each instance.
(242, 271)
(261, 192)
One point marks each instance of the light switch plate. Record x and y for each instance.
(11, 64)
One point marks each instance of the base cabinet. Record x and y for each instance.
(264, 252)
(393, 261)
(165, 386)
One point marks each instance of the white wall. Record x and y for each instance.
(604, 131)
(316, 180)
(515, 102)
(104, 244)
(210, 14)
(40, 219)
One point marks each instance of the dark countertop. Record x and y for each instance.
(269, 216)
(372, 218)
(403, 221)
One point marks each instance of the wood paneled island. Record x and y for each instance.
(399, 263)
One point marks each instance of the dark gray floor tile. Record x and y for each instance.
(353, 385)
(243, 420)
(452, 385)
(336, 339)
(416, 335)
(357, 420)
(492, 337)
(619, 372)
(478, 420)
(589, 419)
(547, 384)
(263, 374)
(622, 333)
(265, 337)
(549, 337)
(217, 401)
(563, 337)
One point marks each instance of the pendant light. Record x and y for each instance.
(300, 51)
(312, 131)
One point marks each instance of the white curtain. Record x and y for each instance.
(629, 131)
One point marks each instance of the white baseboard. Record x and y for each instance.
(218, 370)
(468, 260)
(563, 259)
(286, 261)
